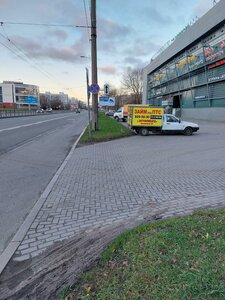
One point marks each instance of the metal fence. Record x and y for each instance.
(16, 113)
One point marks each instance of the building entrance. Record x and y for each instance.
(177, 105)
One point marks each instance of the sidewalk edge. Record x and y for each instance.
(21, 232)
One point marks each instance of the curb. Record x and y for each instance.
(20, 234)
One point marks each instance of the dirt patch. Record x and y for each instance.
(62, 264)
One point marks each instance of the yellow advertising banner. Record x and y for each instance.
(146, 116)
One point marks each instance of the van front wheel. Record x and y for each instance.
(144, 131)
(188, 131)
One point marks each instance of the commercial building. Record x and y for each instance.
(19, 95)
(189, 74)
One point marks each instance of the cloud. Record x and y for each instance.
(108, 69)
(110, 30)
(202, 7)
(157, 16)
(62, 11)
(60, 35)
(142, 47)
(112, 36)
(36, 49)
(134, 62)
(3, 3)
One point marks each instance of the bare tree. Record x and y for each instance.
(132, 81)
(43, 101)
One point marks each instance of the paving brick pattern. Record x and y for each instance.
(112, 181)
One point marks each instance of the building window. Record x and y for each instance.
(217, 90)
(216, 73)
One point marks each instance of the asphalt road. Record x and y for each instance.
(31, 150)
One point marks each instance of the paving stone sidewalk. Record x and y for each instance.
(112, 181)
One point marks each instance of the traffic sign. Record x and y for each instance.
(94, 88)
(106, 89)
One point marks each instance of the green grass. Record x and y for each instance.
(179, 258)
(108, 129)
(13, 109)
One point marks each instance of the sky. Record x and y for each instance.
(129, 34)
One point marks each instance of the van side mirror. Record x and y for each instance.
(179, 120)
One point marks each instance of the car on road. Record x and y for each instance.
(110, 113)
(40, 111)
(77, 110)
(49, 109)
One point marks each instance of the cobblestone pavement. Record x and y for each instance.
(112, 181)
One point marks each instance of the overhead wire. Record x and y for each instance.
(85, 12)
(43, 24)
(87, 24)
(24, 56)
(10, 49)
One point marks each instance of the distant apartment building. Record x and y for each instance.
(73, 103)
(19, 95)
(48, 98)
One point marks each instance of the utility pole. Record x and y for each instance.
(94, 65)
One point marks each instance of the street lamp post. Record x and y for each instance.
(88, 95)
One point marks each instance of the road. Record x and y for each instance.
(31, 150)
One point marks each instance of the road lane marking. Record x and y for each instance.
(31, 124)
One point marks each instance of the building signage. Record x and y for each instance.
(106, 101)
(215, 78)
(213, 52)
(217, 64)
(31, 99)
(182, 63)
(195, 61)
(167, 102)
(200, 97)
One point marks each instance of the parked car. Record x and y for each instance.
(110, 113)
(49, 109)
(40, 111)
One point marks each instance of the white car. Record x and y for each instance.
(40, 111)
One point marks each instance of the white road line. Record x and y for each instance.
(31, 124)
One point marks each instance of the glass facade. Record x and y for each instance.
(195, 78)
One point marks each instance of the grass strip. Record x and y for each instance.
(179, 258)
(108, 129)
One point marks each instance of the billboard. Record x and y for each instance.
(106, 101)
(145, 116)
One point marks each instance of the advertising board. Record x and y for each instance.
(145, 116)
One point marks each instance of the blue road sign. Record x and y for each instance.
(94, 88)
